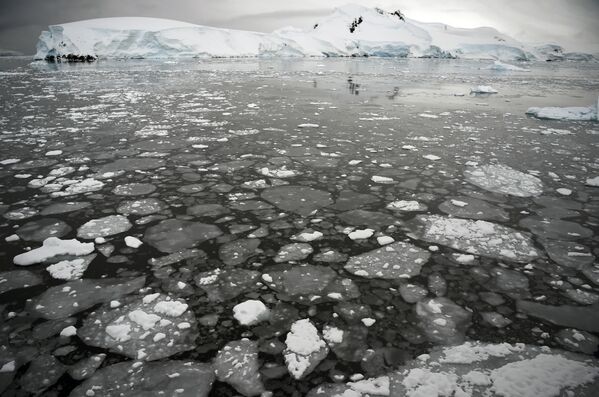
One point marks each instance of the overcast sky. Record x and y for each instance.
(572, 23)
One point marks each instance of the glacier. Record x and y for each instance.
(375, 33)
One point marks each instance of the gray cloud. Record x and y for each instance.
(570, 22)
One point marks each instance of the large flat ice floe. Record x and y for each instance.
(580, 113)
(374, 33)
(499, 178)
(476, 237)
(480, 369)
(148, 329)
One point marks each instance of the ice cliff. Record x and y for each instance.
(351, 30)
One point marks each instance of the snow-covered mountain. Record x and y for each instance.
(351, 30)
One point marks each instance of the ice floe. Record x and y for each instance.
(64, 300)
(500, 178)
(564, 113)
(16, 279)
(309, 284)
(103, 227)
(237, 364)
(304, 348)
(140, 328)
(172, 235)
(71, 269)
(52, 247)
(442, 320)
(167, 378)
(476, 237)
(302, 200)
(250, 312)
(394, 261)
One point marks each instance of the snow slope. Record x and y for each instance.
(375, 33)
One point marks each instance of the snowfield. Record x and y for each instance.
(376, 33)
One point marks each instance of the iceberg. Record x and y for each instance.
(351, 30)
(577, 113)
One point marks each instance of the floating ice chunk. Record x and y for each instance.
(41, 229)
(307, 236)
(381, 179)
(223, 285)
(84, 186)
(61, 208)
(173, 235)
(103, 227)
(431, 157)
(251, 312)
(483, 89)
(236, 252)
(12, 238)
(361, 234)
(52, 247)
(86, 367)
(385, 240)
(308, 125)
(394, 261)
(140, 207)
(305, 348)
(278, 173)
(70, 269)
(293, 252)
(310, 284)
(64, 300)
(164, 378)
(368, 321)
(406, 206)
(16, 279)
(332, 335)
(237, 364)
(464, 259)
(503, 179)
(68, 331)
(43, 372)
(567, 113)
(302, 200)
(20, 213)
(139, 330)
(458, 203)
(477, 369)
(555, 229)
(543, 375)
(442, 320)
(412, 293)
(563, 191)
(132, 242)
(171, 308)
(579, 317)
(54, 153)
(9, 161)
(475, 237)
(119, 332)
(592, 181)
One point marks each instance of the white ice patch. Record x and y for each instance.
(567, 113)
(500, 178)
(304, 348)
(52, 247)
(170, 308)
(251, 312)
(483, 89)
